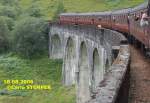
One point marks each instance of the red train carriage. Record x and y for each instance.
(85, 18)
(135, 29)
(103, 19)
(120, 20)
(125, 20)
(68, 18)
(97, 18)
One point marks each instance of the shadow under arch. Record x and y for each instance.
(84, 75)
(97, 70)
(56, 49)
(69, 63)
(107, 65)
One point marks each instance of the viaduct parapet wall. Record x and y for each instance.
(88, 54)
(115, 85)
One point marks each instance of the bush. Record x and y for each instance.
(9, 22)
(4, 32)
(8, 11)
(59, 9)
(8, 2)
(35, 11)
(29, 38)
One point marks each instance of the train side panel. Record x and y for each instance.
(120, 20)
(136, 30)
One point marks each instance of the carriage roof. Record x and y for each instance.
(86, 14)
(142, 6)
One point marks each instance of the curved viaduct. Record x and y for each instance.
(88, 55)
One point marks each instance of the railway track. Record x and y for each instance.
(140, 77)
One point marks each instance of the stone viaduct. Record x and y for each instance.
(93, 59)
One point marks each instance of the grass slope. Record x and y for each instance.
(48, 7)
(45, 70)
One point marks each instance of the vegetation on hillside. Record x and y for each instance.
(42, 71)
(48, 7)
(33, 40)
(4, 32)
(24, 54)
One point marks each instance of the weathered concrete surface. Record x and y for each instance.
(87, 55)
(108, 89)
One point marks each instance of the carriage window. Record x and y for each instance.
(99, 19)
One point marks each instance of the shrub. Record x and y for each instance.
(9, 2)
(4, 31)
(29, 38)
(34, 10)
(59, 9)
(8, 11)
(9, 22)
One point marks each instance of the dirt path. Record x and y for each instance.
(140, 77)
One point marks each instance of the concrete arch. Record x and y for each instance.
(97, 71)
(56, 48)
(69, 63)
(84, 75)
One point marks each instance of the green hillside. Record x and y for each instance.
(42, 71)
(48, 7)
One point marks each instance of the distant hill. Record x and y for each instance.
(48, 7)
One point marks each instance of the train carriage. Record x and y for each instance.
(125, 20)
(87, 18)
(104, 19)
(120, 20)
(67, 18)
(135, 28)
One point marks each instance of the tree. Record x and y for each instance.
(60, 9)
(4, 31)
(29, 38)
(8, 11)
(9, 22)
(34, 10)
